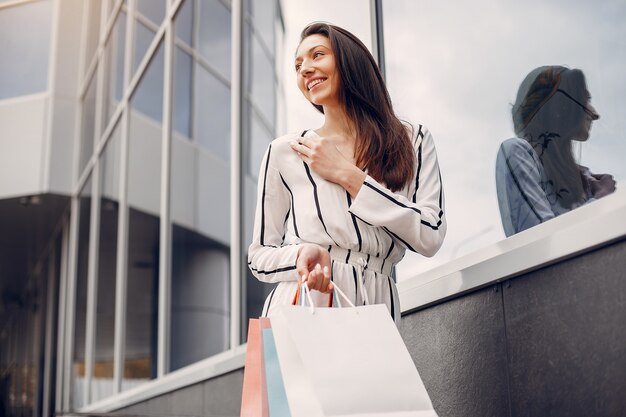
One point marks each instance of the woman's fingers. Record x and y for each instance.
(301, 148)
(313, 266)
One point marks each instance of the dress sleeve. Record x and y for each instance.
(521, 196)
(416, 220)
(268, 258)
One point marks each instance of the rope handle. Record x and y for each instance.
(304, 287)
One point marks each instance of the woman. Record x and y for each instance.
(344, 201)
(536, 174)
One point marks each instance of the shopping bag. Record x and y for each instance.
(339, 362)
(254, 391)
(276, 396)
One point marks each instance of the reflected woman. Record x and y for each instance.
(537, 176)
(341, 203)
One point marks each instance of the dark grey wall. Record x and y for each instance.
(548, 343)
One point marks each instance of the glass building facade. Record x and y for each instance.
(135, 276)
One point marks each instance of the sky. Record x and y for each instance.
(456, 68)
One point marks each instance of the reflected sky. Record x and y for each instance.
(456, 68)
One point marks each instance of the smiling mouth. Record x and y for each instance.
(315, 82)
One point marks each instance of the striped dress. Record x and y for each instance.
(365, 236)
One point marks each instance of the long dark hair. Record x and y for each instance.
(383, 142)
(549, 122)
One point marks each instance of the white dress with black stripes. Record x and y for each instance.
(365, 236)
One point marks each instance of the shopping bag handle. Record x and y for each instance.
(305, 287)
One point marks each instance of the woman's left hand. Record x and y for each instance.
(323, 156)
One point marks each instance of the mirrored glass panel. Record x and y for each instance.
(181, 109)
(526, 112)
(94, 13)
(102, 382)
(200, 315)
(144, 188)
(214, 35)
(87, 127)
(212, 100)
(264, 19)
(24, 53)
(263, 81)
(184, 22)
(143, 39)
(114, 73)
(78, 383)
(154, 10)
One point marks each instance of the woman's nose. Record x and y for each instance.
(593, 112)
(305, 68)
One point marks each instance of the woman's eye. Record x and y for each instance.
(316, 54)
(298, 67)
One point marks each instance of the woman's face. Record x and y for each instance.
(316, 71)
(589, 115)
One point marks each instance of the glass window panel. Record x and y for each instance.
(263, 86)
(93, 30)
(263, 16)
(153, 10)
(148, 97)
(24, 53)
(182, 93)
(200, 316)
(213, 110)
(144, 187)
(257, 138)
(143, 38)
(465, 79)
(142, 299)
(260, 138)
(215, 35)
(80, 314)
(88, 122)
(184, 22)
(102, 382)
(115, 67)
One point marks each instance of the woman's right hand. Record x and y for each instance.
(313, 266)
(602, 185)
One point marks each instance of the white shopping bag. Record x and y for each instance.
(349, 361)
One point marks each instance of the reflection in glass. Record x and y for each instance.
(142, 299)
(215, 35)
(114, 73)
(93, 29)
(144, 188)
(263, 17)
(184, 22)
(102, 382)
(200, 316)
(263, 86)
(181, 110)
(213, 113)
(82, 259)
(153, 10)
(260, 138)
(537, 175)
(88, 123)
(24, 68)
(143, 38)
(148, 98)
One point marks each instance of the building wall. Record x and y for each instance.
(546, 343)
